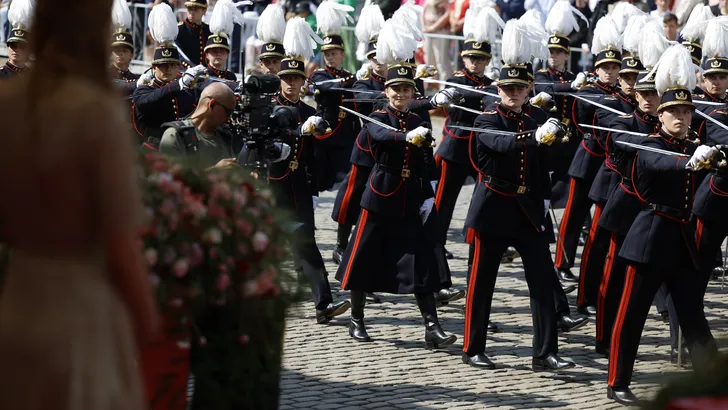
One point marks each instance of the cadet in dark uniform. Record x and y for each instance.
(122, 51)
(217, 51)
(294, 183)
(452, 153)
(390, 252)
(660, 245)
(509, 207)
(193, 34)
(589, 155)
(623, 205)
(163, 96)
(606, 179)
(269, 29)
(18, 50)
(715, 82)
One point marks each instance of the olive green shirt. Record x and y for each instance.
(212, 148)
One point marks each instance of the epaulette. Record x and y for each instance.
(625, 116)
(458, 74)
(181, 23)
(698, 95)
(365, 76)
(383, 111)
(543, 70)
(490, 112)
(723, 112)
(320, 69)
(610, 98)
(653, 136)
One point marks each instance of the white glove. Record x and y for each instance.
(443, 97)
(417, 136)
(546, 207)
(285, 151)
(702, 155)
(146, 78)
(310, 125)
(434, 186)
(546, 134)
(424, 71)
(579, 81)
(426, 209)
(315, 200)
(363, 71)
(190, 76)
(540, 100)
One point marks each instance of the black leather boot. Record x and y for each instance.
(357, 330)
(434, 335)
(342, 241)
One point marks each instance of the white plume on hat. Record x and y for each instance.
(472, 16)
(331, 16)
(163, 24)
(409, 14)
(271, 24)
(694, 28)
(516, 47)
(622, 12)
(483, 27)
(606, 36)
(535, 33)
(632, 34)
(20, 14)
(562, 19)
(120, 15)
(652, 43)
(397, 41)
(674, 70)
(224, 16)
(300, 40)
(370, 23)
(715, 43)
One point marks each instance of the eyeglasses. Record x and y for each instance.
(228, 111)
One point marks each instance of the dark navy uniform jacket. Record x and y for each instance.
(372, 87)
(399, 180)
(158, 103)
(344, 126)
(126, 81)
(623, 205)
(560, 83)
(192, 40)
(590, 153)
(10, 70)
(698, 121)
(294, 178)
(454, 144)
(711, 198)
(514, 176)
(662, 229)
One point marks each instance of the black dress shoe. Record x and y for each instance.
(551, 362)
(449, 295)
(565, 275)
(568, 323)
(685, 359)
(602, 349)
(665, 316)
(435, 337)
(480, 360)
(333, 309)
(569, 289)
(448, 254)
(337, 255)
(512, 253)
(358, 331)
(587, 310)
(717, 272)
(623, 396)
(373, 298)
(493, 328)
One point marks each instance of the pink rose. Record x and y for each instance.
(244, 339)
(203, 340)
(213, 235)
(180, 268)
(169, 255)
(245, 227)
(260, 241)
(197, 254)
(222, 282)
(150, 255)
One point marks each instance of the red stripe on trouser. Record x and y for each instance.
(604, 285)
(618, 323)
(586, 252)
(165, 366)
(699, 232)
(347, 195)
(441, 184)
(359, 230)
(471, 292)
(564, 221)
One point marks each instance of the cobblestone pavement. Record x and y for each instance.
(325, 369)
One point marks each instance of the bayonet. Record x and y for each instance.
(372, 120)
(652, 149)
(463, 86)
(638, 134)
(596, 104)
(489, 131)
(465, 109)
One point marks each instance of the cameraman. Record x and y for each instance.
(203, 140)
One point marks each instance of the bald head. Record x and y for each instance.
(219, 92)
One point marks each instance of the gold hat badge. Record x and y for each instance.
(554, 40)
(18, 33)
(270, 47)
(715, 64)
(513, 73)
(477, 46)
(631, 63)
(293, 64)
(610, 54)
(681, 95)
(328, 40)
(120, 37)
(402, 71)
(167, 53)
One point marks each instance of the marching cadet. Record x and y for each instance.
(606, 179)
(660, 245)
(161, 96)
(590, 154)
(332, 150)
(390, 251)
(122, 49)
(19, 15)
(294, 179)
(715, 74)
(452, 153)
(509, 207)
(193, 34)
(270, 29)
(694, 30)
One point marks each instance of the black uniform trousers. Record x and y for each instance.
(536, 258)
(452, 179)
(641, 283)
(592, 261)
(709, 237)
(576, 212)
(307, 256)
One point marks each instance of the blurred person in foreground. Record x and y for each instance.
(76, 299)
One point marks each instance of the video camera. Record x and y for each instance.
(258, 121)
